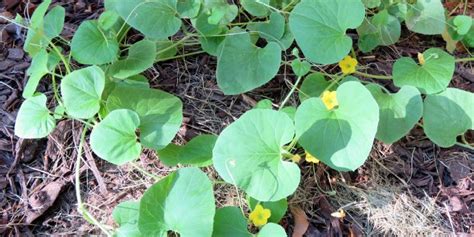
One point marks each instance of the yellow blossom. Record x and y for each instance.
(310, 158)
(339, 214)
(329, 99)
(421, 58)
(296, 158)
(259, 216)
(348, 65)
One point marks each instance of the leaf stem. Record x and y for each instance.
(181, 56)
(293, 88)
(464, 59)
(382, 77)
(61, 56)
(157, 178)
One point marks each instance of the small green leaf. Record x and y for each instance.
(237, 52)
(320, 26)
(197, 152)
(229, 221)
(371, 3)
(59, 112)
(138, 60)
(272, 230)
(54, 22)
(345, 131)
(257, 8)
(431, 77)
(90, 45)
(114, 138)
(426, 17)
(468, 39)
(125, 215)
(188, 8)
(38, 68)
(211, 44)
(300, 68)
(81, 91)
(313, 86)
(165, 49)
(222, 13)
(248, 155)
(272, 30)
(399, 112)
(459, 26)
(264, 104)
(108, 19)
(448, 115)
(160, 113)
(36, 38)
(381, 29)
(182, 202)
(278, 208)
(34, 119)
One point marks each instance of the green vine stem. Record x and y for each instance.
(381, 77)
(464, 59)
(293, 88)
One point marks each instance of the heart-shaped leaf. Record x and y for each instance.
(125, 215)
(34, 119)
(257, 8)
(468, 39)
(272, 30)
(300, 68)
(92, 46)
(81, 91)
(381, 29)
(399, 112)
(156, 19)
(448, 115)
(160, 113)
(277, 208)
(242, 66)
(272, 230)
(248, 154)
(319, 27)
(229, 221)
(140, 58)
(114, 138)
(459, 26)
(182, 202)
(342, 137)
(313, 86)
(196, 152)
(36, 38)
(426, 17)
(54, 22)
(431, 77)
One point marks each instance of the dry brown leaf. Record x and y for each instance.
(301, 221)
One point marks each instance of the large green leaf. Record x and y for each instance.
(229, 221)
(342, 137)
(160, 113)
(248, 154)
(399, 112)
(272, 230)
(278, 208)
(156, 19)
(114, 138)
(81, 91)
(140, 58)
(256, 8)
(381, 29)
(448, 115)
(319, 27)
(182, 202)
(242, 66)
(196, 152)
(90, 45)
(431, 77)
(34, 119)
(426, 17)
(125, 215)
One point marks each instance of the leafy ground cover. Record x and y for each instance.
(401, 189)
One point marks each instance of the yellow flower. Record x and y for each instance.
(296, 158)
(259, 216)
(348, 65)
(339, 214)
(421, 59)
(329, 99)
(310, 158)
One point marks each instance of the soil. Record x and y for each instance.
(408, 188)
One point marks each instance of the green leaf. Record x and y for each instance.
(36, 71)
(448, 115)
(346, 131)
(431, 77)
(256, 8)
(426, 17)
(36, 38)
(272, 30)
(182, 202)
(54, 22)
(125, 215)
(160, 113)
(248, 155)
(197, 152)
(459, 26)
(381, 29)
(156, 19)
(290, 111)
(242, 66)
(211, 44)
(468, 39)
(140, 58)
(59, 112)
(114, 138)
(222, 13)
(188, 8)
(92, 46)
(399, 112)
(108, 19)
(300, 68)
(81, 91)
(34, 119)
(371, 3)
(319, 27)
(272, 230)
(165, 49)
(264, 104)
(278, 208)
(229, 221)
(313, 86)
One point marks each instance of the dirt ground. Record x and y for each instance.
(410, 188)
